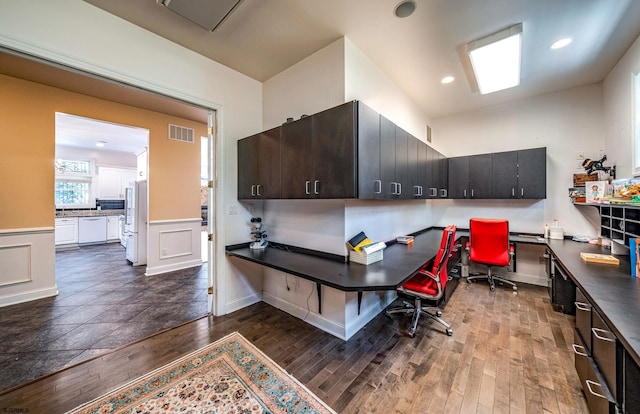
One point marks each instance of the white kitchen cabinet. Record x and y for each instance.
(66, 230)
(142, 160)
(112, 182)
(113, 228)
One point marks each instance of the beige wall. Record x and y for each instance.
(27, 114)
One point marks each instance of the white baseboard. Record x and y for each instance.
(367, 315)
(242, 303)
(28, 296)
(151, 271)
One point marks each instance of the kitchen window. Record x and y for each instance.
(74, 184)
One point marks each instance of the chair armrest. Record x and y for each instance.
(429, 275)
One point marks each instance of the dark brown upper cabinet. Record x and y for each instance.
(259, 166)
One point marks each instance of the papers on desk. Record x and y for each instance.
(362, 250)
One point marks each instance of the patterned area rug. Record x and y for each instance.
(228, 376)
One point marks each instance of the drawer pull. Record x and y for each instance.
(581, 353)
(583, 306)
(603, 338)
(589, 383)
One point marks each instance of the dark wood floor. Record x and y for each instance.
(508, 354)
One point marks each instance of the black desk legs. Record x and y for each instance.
(319, 289)
(359, 301)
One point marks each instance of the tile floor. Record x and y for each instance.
(103, 303)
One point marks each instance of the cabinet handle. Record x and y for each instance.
(395, 188)
(443, 193)
(433, 192)
(421, 193)
(582, 352)
(306, 187)
(465, 194)
(416, 192)
(602, 338)
(582, 306)
(522, 192)
(399, 188)
(472, 195)
(253, 190)
(589, 383)
(379, 184)
(316, 184)
(513, 192)
(258, 188)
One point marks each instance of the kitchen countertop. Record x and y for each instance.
(88, 213)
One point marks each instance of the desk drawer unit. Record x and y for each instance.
(606, 352)
(583, 319)
(599, 399)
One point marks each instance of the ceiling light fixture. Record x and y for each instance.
(447, 79)
(496, 59)
(405, 9)
(559, 44)
(101, 143)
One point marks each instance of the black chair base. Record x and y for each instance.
(416, 309)
(491, 278)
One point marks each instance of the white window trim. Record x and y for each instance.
(90, 178)
(635, 121)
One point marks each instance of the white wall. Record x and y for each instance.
(312, 85)
(618, 114)
(80, 35)
(565, 123)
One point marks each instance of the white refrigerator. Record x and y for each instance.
(135, 224)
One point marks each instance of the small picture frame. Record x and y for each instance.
(595, 191)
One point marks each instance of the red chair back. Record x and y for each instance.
(489, 241)
(439, 268)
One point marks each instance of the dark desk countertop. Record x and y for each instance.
(399, 263)
(609, 288)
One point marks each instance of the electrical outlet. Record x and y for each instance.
(164, 252)
(580, 155)
(296, 283)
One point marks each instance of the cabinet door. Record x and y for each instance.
(424, 172)
(297, 159)
(459, 177)
(113, 228)
(403, 189)
(532, 173)
(268, 165)
(66, 230)
(369, 177)
(504, 176)
(334, 151)
(443, 177)
(247, 167)
(480, 176)
(433, 174)
(129, 176)
(413, 187)
(110, 182)
(388, 157)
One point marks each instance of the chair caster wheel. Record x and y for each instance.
(438, 313)
(449, 331)
(469, 281)
(412, 334)
(492, 288)
(515, 288)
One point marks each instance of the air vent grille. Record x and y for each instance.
(180, 133)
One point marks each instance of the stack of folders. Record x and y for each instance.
(363, 250)
(357, 241)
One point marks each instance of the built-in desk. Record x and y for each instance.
(400, 263)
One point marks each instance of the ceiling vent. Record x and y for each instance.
(180, 133)
(207, 14)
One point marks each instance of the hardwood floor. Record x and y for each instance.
(508, 354)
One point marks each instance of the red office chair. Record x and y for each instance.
(427, 285)
(489, 245)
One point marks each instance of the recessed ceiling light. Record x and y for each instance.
(101, 143)
(561, 43)
(405, 9)
(447, 79)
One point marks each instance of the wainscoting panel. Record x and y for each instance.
(27, 265)
(173, 245)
